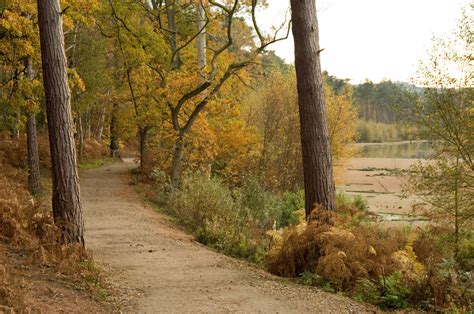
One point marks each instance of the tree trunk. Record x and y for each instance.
(143, 132)
(67, 207)
(456, 210)
(201, 38)
(100, 126)
(87, 128)
(114, 147)
(34, 177)
(15, 134)
(79, 128)
(173, 28)
(177, 161)
(75, 100)
(317, 164)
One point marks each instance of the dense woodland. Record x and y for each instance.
(241, 148)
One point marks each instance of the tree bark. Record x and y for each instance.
(177, 161)
(15, 134)
(100, 126)
(317, 164)
(201, 43)
(79, 127)
(143, 133)
(75, 101)
(114, 147)
(34, 177)
(173, 28)
(67, 207)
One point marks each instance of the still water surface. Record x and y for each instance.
(416, 149)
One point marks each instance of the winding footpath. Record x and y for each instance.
(158, 268)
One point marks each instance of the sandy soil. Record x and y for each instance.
(382, 188)
(159, 268)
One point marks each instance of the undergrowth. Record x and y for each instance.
(93, 164)
(393, 268)
(26, 225)
(389, 267)
(232, 221)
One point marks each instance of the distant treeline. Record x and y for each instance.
(378, 132)
(381, 102)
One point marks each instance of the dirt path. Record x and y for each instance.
(161, 269)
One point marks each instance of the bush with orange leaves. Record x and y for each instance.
(342, 251)
(26, 224)
(351, 253)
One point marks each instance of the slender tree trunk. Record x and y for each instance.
(143, 132)
(88, 123)
(79, 128)
(34, 177)
(456, 210)
(201, 38)
(16, 127)
(173, 28)
(67, 207)
(75, 99)
(177, 161)
(114, 147)
(317, 164)
(100, 126)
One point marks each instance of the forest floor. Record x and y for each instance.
(40, 289)
(156, 267)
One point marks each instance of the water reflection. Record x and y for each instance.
(418, 149)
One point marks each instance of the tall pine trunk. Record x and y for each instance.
(317, 164)
(34, 177)
(67, 207)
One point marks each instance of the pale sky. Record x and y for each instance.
(374, 39)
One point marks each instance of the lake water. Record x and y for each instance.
(416, 149)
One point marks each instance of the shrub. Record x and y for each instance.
(287, 208)
(234, 222)
(395, 292)
(272, 210)
(446, 287)
(260, 204)
(366, 290)
(357, 201)
(201, 201)
(390, 267)
(342, 253)
(207, 209)
(360, 202)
